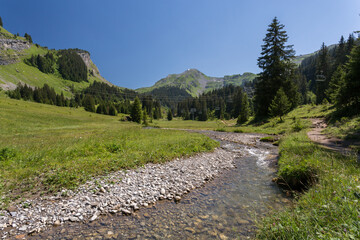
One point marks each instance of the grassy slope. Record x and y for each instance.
(182, 81)
(21, 72)
(44, 147)
(329, 209)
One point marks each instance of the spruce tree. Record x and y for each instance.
(112, 110)
(89, 103)
(348, 97)
(280, 105)
(278, 69)
(169, 115)
(340, 52)
(322, 68)
(1, 22)
(244, 110)
(136, 112)
(145, 118)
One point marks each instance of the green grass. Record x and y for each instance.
(294, 121)
(45, 148)
(329, 209)
(21, 72)
(345, 128)
(178, 123)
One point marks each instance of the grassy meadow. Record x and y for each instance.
(327, 210)
(45, 148)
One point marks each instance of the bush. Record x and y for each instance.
(7, 153)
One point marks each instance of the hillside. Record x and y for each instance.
(13, 70)
(299, 59)
(195, 82)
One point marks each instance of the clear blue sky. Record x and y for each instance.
(137, 42)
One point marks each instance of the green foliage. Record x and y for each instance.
(1, 22)
(278, 70)
(45, 94)
(71, 66)
(323, 69)
(280, 105)
(136, 113)
(328, 210)
(145, 121)
(28, 37)
(244, 110)
(169, 115)
(299, 125)
(89, 103)
(344, 128)
(348, 97)
(7, 153)
(45, 64)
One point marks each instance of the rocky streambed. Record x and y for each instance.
(122, 205)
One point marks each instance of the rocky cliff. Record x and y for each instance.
(11, 50)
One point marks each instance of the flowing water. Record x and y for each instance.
(225, 208)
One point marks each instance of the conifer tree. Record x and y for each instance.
(136, 112)
(145, 118)
(280, 105)
(1, 22)
(112, 110)
(169, 115)
(322, 68)
(28, 37)
(278, 69)
(244, 110)
(348, 97)
(340, 52)
(89, 103)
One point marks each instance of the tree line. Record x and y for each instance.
(67, 62)
(225, 103)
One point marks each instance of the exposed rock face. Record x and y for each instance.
(14, 44)
(93, 70)
(7, 57)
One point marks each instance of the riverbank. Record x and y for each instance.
(120, 192)
(326, 210)
(223, 208)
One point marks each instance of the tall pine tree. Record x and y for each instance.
(323, 69)
(348, 98)
(1, 23)
(136, 112)
(278, 69)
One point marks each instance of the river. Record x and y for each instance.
(225, 208)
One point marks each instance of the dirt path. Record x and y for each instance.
(316, 135)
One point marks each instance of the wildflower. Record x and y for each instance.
(274, 224)
(345, 230)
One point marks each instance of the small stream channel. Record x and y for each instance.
(225, 208)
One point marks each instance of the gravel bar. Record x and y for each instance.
(121, 192)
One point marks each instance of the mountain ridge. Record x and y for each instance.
(196, 82)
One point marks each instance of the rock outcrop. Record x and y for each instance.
(10, 50)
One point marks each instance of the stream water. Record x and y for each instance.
(225, 208)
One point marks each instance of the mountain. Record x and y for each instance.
(17, 52)
(299, 59)
(195, 82)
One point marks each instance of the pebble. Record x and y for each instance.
(57, 223)
(130, 190)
